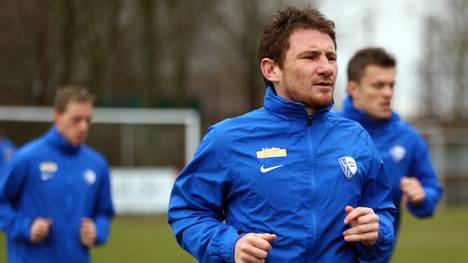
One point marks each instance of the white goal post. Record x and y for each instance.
(135, 190)
(187, 117)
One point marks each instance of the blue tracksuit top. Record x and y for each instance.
(404, 153)
(275, 170)
(50, 178)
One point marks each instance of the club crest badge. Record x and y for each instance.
(89, 176)
(398, 152)
(348, 166)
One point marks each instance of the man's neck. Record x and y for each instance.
(310, 111)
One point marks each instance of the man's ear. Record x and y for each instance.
(269, 69)
(352, 88)
(57, 115)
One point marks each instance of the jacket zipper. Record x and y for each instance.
(314, 228)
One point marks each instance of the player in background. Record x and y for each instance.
(55, 199)
(371, 81)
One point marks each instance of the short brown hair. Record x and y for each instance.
(368, 56)
(66, 94)
(274, 41)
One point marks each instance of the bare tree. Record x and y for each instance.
(68, 40)
(239, 25)
(445, 62)
(183, 22)
(151, 51)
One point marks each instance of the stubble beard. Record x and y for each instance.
(312, 101)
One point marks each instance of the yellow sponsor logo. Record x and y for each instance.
(271, 152)
(48, 167)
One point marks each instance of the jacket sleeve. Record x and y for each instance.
(15, 225)
(104, 210)
(198, 201)
(422, 169)
(377, 195)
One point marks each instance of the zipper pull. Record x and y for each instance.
(309, 120)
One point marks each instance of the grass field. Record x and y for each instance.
(443, 238)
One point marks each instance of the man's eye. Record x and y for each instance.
(378, 85)
(311, 57)
(77, 120)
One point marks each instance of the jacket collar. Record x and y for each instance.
(351, 112)
(58, 141)
(290, 110)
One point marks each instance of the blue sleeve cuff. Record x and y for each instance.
(20, 229)
(223, 249)
(228, 253)
(26, 228)
(428, 206)
(381, 249)
(102, 229)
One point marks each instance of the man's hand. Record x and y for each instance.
(364, 225)
(412, 190)
(87, 232)
(40, 229)
(253, 248)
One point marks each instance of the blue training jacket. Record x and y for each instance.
(404, 153)
(274, 170)
(50, 178)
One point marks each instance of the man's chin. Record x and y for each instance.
(78, 142)
(383, 116)
(321, 103)
(387, 116)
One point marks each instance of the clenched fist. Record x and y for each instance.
(88, 232)
(364, 225)
(412, 190)
(253, 248)
(40, 229)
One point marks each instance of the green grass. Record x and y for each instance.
(141, 239)
(443, 238)
(135, 239)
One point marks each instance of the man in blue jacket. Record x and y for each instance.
(371, 80)
(55, 199)
(289, 182)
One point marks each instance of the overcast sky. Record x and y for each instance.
(394, 25)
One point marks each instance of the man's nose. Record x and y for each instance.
(84, 125)
(325, 67)
(388, 91)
